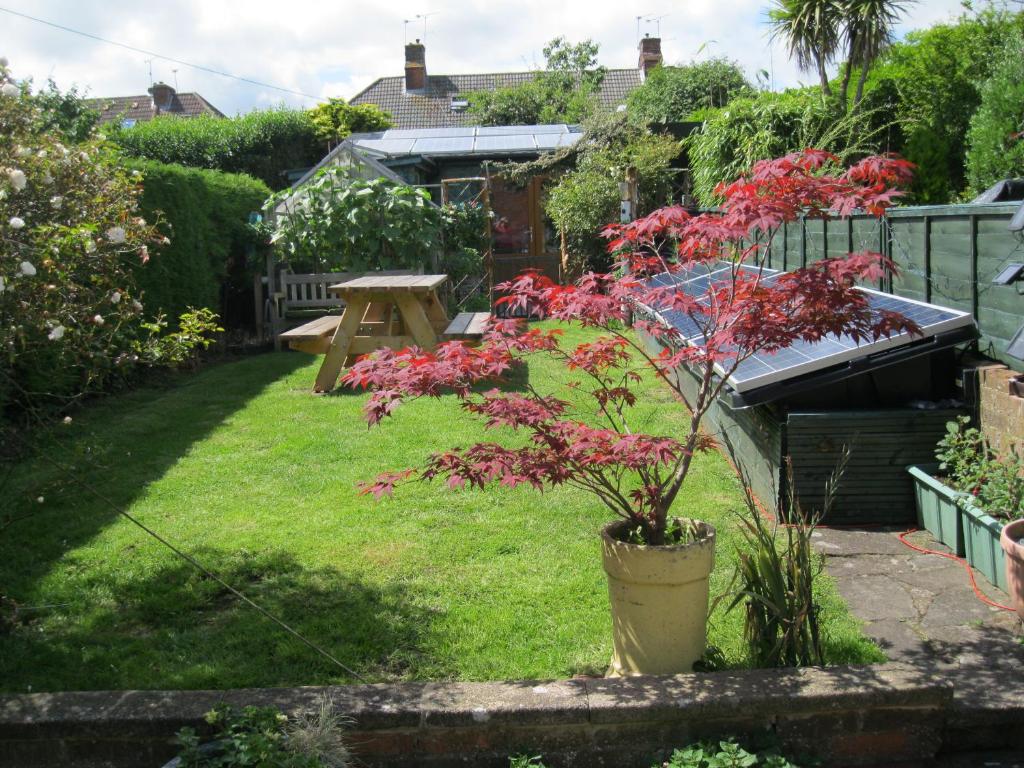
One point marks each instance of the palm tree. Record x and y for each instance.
(811, 30)
(868, 30)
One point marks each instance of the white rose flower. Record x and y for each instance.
(17, 179)
(67, 419)
(3, 285)
(40, 499)
(56, 201)
(27, 269)
(115, 297)
(98, 319)
(16, 222)
(116, 235)
(137, 305)
(144, 254)
(56, 333)
(22, 152)
(47, 178)
(90, 245)
(9, 89)
(41, 153)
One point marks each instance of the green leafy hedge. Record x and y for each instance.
(263, 144)
(673, 94)
(996, 136)
(204, 215)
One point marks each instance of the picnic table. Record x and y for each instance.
(393, 311)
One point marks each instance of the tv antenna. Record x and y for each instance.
(650, 19)
(175, 71)
(424, 17)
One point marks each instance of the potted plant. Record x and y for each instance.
(990, 494)
(657, 559)
(1012, 542)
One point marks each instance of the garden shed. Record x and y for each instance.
(425, 157)
(887, 401)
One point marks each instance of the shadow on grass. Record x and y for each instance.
(515, 380)
(174, 627)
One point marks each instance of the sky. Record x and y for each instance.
(327, 49)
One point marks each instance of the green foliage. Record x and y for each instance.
(66, 113)
(204, 216)
(180, 348)
(769, 124)
(724, 754)
(673, 94)
(995, 483)
(525, 761)
(585, 199)
(258, 737)
(336, 119)
(464, 229)
(565, 92)
(71, 240)
(776, 574)
(344, 223)
(263, 144)
(937, 73)
(996, 136)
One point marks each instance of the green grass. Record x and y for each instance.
(242, 467)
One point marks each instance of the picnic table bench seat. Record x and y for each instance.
(467, 325)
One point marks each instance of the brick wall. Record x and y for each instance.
(1000, 413)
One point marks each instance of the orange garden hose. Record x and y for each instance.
(948, 556)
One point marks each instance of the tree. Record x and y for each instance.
(563, 93)
(336, 120)
(811, 31)
(996, 136)
(584, 436)
(868, 31)
(66, 113)
(673, 94)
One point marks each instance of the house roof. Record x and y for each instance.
(140, 108)
(433, 107)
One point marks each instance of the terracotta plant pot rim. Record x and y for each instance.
(610, 533)
(1011, 534)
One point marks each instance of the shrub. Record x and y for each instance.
(995, 483)
(336, 119)
(673, 94)
(72, 239)
(263, 144)
(769, 124)
(724, 754)
(204, 215)
(996, 135)
(341, 222)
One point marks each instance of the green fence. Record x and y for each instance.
(946, 255)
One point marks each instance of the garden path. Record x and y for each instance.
(921, 611)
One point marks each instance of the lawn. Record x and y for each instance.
(242, 467)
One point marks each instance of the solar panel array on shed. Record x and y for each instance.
(802, 358)
(469, 140)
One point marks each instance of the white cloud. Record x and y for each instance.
(335, 49)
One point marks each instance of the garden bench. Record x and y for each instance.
(468, 325)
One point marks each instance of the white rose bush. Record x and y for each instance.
(70, 238)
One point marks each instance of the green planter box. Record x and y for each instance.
(981, 538)
(937, 511)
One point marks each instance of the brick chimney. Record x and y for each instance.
(650, 54)
(163, 96)
(415, 67)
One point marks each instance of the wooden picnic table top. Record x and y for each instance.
(387, 283)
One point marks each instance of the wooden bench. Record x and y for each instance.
(468, 325)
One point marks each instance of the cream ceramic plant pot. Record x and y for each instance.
(659, 602)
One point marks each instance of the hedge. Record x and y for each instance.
(263, 144)
(205, 216)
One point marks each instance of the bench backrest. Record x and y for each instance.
(310, 291)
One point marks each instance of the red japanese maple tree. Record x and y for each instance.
(741, 312)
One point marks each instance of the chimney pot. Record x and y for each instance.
(415, 67)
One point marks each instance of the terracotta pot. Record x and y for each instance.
(659, 601)
(1017, 386)
(1010, 540)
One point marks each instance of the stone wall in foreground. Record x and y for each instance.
(847, 716)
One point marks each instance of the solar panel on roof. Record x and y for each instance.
(805, 357)
(511, 143)
(503, 130)
(389, 146)
(440, 145)
(429, 133)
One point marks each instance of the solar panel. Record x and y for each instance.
(805, 357)
(388, 146)
(504, 130)
(508, 143)
(440, 145)
(429, 133)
